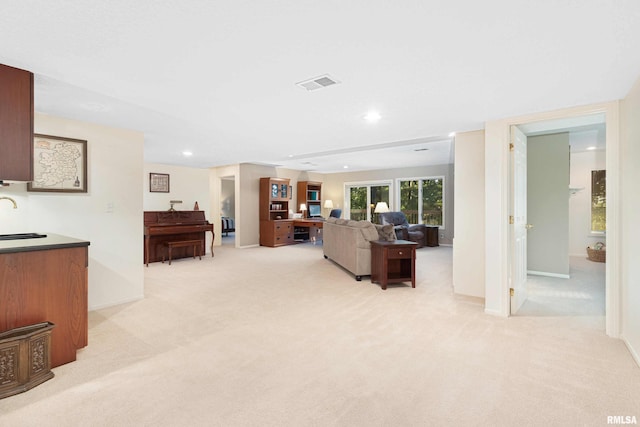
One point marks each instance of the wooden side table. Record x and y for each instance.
(393, 262)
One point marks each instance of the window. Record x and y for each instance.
(421, 200)
(599, 200)
(363, 198)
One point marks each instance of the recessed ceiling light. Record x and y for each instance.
(591, 148)
(345, 167)
(187, 153)
(372, 116)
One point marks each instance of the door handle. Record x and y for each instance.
(528, 226)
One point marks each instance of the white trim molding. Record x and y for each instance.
(497, 182)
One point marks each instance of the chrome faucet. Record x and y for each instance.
(15, 205)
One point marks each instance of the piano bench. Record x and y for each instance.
(197, 247)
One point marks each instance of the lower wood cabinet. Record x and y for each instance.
(431, 237)
(47, 285)
(276, 233)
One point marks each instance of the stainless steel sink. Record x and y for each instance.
(21, 236)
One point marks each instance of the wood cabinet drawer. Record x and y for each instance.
(399, 253)
(280, 229)
(283, 232)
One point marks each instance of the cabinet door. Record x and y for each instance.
(16, 124)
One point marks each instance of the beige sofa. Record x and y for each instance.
(346, 243)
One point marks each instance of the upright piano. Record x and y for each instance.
(169, 226)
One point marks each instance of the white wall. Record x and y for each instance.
(108, 215)
(548, 204)
(580, 235)
(468, 242)
(630, 208)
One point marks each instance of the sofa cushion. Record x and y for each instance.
(386, 232)
(369, 231)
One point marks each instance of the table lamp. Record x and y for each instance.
(381, 207)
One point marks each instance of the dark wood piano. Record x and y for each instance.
(169, 226)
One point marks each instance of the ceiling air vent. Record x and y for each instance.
(318, 82)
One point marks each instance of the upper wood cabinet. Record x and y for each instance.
(310, 193)
(16, 124)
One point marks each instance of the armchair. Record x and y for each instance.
(405, 231)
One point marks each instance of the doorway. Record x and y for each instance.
(228, 221)
(561, 218)
(361, 199)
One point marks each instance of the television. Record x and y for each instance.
(314, 211)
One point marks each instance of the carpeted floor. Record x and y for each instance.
(582, 294)
(283, 337)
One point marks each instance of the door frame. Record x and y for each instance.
(497, 181)
(368, 184)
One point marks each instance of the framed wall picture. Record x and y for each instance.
(158, 182)
(59, 164)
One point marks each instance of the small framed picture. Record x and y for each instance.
(158, 182)
(59, 164)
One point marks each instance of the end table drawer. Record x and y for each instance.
(399, 253)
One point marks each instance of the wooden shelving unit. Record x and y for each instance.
(276, 229)
(310, 193)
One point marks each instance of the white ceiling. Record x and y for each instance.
(218, 78)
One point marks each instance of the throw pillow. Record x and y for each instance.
(386, 232)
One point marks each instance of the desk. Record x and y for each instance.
(313, 229)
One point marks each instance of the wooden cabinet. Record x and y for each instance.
(47, 285)
(275, 227)
(310, 193)
(276, 233)
(16, 124)
(393, 262)
(431, 236)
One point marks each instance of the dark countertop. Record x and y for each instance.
(52, 241)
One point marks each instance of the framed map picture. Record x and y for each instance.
(159, 182)
(59, 164)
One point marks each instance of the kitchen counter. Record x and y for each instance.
(52, 241)
(46, 280)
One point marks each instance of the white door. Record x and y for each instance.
(518, 220)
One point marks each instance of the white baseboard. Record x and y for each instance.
(112, 304)
(633, 352)
(544, 273)
(249, 246)
(497, 313)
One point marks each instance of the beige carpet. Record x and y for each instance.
(283, 337)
